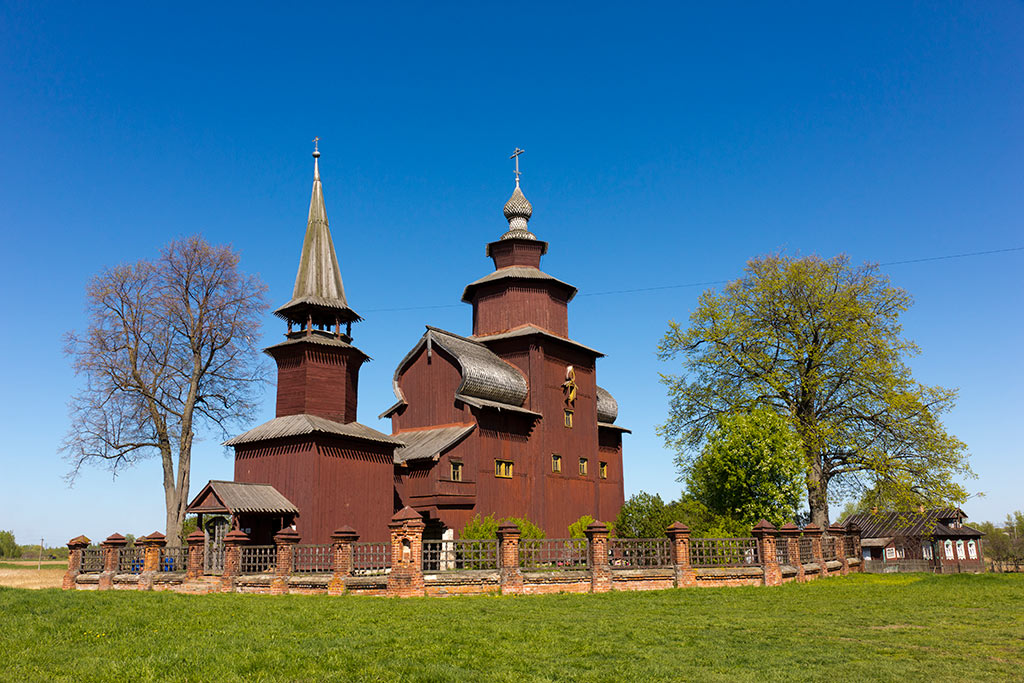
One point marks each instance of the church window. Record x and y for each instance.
(503, 468)
(568, 419)
(556, 463)
(604, 470)
(583, 467)
(456, 471)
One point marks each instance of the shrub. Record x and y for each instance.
(577, 528)
(487, 527)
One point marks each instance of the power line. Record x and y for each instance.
(707, 283)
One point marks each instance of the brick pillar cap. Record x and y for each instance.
(764, 525)
(115, 540)
(287, 535)
(790, 528)
(155, 538)
(196, 537)
(345, 533)
(678, 527)
(79, 542)
(407, 514)
(508, 528)
(596, 526)
(236, 536)
(812, 528)
(851, 527)
(836, 528)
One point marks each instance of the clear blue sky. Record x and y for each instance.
(666, 145)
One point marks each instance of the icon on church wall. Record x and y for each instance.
(569, 386)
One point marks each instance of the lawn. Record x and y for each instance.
(888, 627)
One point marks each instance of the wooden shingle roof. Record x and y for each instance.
(889, 523)
(232, 497)
(297, 425)
(424, 444)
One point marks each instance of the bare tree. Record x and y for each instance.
(170, 348)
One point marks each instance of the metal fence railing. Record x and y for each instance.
(465, 553)
(92, 560)
(806, 549)
(173, 559)
(553, 553)
(130, 560)
(723, 552)
(313, 559)
(781, 551)
(639, 553)
(828, 548)
(369, 559)
(257, 559)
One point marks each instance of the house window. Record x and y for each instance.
(568, 419)
(960, 550)
(503, 468)
(972, 550)
(456, 471)
(583, 467)
(556, 463)
(604, 470)
(947, 547)
(926, 551)
(890, 553)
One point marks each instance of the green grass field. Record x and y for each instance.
(882, 627)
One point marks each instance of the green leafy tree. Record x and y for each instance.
(643, 515)
(487, 527)
(819, 342)
(750, 469)
(8, 546)
(578, 528)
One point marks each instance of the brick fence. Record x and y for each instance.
(412, 566)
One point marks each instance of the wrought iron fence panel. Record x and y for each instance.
(92, 560)
(131, 560)
(369, 559)
(806, 549)
(639, 553)
(213, 558)
(173, 559)
(553, 553)
(782, 551)
(723, 552)
(258, 559)
(828, 548)
(313, 559)
(465, 553)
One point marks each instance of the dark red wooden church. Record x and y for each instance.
(509, 421)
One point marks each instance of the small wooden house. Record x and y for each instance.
(925, 540)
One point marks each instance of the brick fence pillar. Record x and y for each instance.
(508, 559)
(75, 547)
(111, 559)
(597, 557)
(765, 533)
(790, 535)
(285, 540)
(679, 537)
(406, 577)
(813, 531)
(233, 543)
(196, 550)
(853, 547)
(152, 546)
(341, 556)
(838, 535)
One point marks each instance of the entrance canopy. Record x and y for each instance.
(235, 498)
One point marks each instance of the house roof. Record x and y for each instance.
(485, 376)
(886, 523)
(527, 330)
(516, 273)
(428, 444)
(297, 425)
(233, 497)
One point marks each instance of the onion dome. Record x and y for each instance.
(518, 211)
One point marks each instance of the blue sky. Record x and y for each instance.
(665, 145)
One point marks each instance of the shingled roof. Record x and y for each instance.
(607, 406)
(296, 425)
(234, 497)
(936, 522)
(527, 330)
(428, 444)
(517, 273)
(484, 375)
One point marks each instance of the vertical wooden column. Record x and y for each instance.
(838, 535)
(285, 540)
(679, 536)
(406, 577)
(790, 535)
(233, 542)
(196, 542)
(765, 533)
(597, 557)
(75, 547)
(111, 558)
(341, 552)
(813, 531)
(508, 559)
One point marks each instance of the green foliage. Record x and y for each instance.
(578, 528)
(1004, 545)
(860, 627)
(8, 546)
(750, 469)
(487, 527)
(190, 524)
(645, 515)
(819, 342)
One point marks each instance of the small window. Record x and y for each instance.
(556, 463)
(583, 467)
(568, 419)
(604, 470)
(456, 471)
(503, 468)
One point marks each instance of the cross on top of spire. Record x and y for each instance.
(515, 155)
(316, 147)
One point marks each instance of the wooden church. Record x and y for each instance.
(509, 421)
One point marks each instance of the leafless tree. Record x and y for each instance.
(170, 349)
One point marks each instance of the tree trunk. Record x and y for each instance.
(817, 493)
